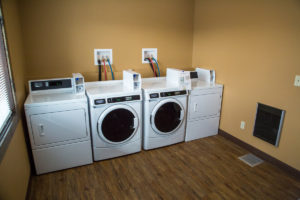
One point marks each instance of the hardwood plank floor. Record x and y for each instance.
(203, 169)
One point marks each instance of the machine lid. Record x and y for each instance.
(198, 85)
(118, 124)
(158, 84)
(167, 116)
(106, 89)
(154, 83)
(54, 98)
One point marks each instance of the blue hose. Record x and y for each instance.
(157, 66)
(112, 73)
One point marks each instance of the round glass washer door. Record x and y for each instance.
(167, 116)
(118, 124)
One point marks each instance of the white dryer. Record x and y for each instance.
(58, 124)
(204, 106)
(164, 113)
(116, 117)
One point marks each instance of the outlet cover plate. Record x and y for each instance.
(243, 123)
(103, 54)
(297, 81)
(147, 52)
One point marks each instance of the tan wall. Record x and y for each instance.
(60, 35)
(15, 167)
(254, 46)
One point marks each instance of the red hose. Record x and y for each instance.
(153, 67)
(104, 69)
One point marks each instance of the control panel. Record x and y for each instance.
(122, 99)
(58, 85)
(50, 84)
(173, 93)
(117, 99)
(193, 74)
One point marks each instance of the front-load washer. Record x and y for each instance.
(164, 113)
(116, 117)
(58, 125)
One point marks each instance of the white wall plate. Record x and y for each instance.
(297, 81)
(104, 53)
(148, 52)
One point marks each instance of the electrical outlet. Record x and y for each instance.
(103, 54)
(297, 81)
(243, 123)
(148, 52)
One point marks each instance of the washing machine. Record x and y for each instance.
(204, 106)
(164, 116)
(116, 119)
(58, 125)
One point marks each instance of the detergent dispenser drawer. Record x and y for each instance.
(48, 128)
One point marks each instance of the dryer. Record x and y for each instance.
(116, 119)
(204, 106)
(164, 113)
(58, 125)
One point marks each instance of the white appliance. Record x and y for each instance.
(131, 80)
(179, 78)
(204, 105)
(58, 125)
(116, 119)
(206, 75)
(164, 113)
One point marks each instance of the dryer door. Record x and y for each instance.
(167, 116)
(118, 124)
(53, 127)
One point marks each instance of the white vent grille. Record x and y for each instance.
(251, 160)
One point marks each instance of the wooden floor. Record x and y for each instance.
(203, 169)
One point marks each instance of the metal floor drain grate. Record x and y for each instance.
(251, 160)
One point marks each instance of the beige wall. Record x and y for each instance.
(60, 35)
(254, 46)
(15, 167)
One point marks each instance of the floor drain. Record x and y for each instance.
(251, 160)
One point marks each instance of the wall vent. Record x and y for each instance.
(268, 123)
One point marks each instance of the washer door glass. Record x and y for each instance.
(168, 117)
(118, 125)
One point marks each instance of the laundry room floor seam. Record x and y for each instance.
(201, 169)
